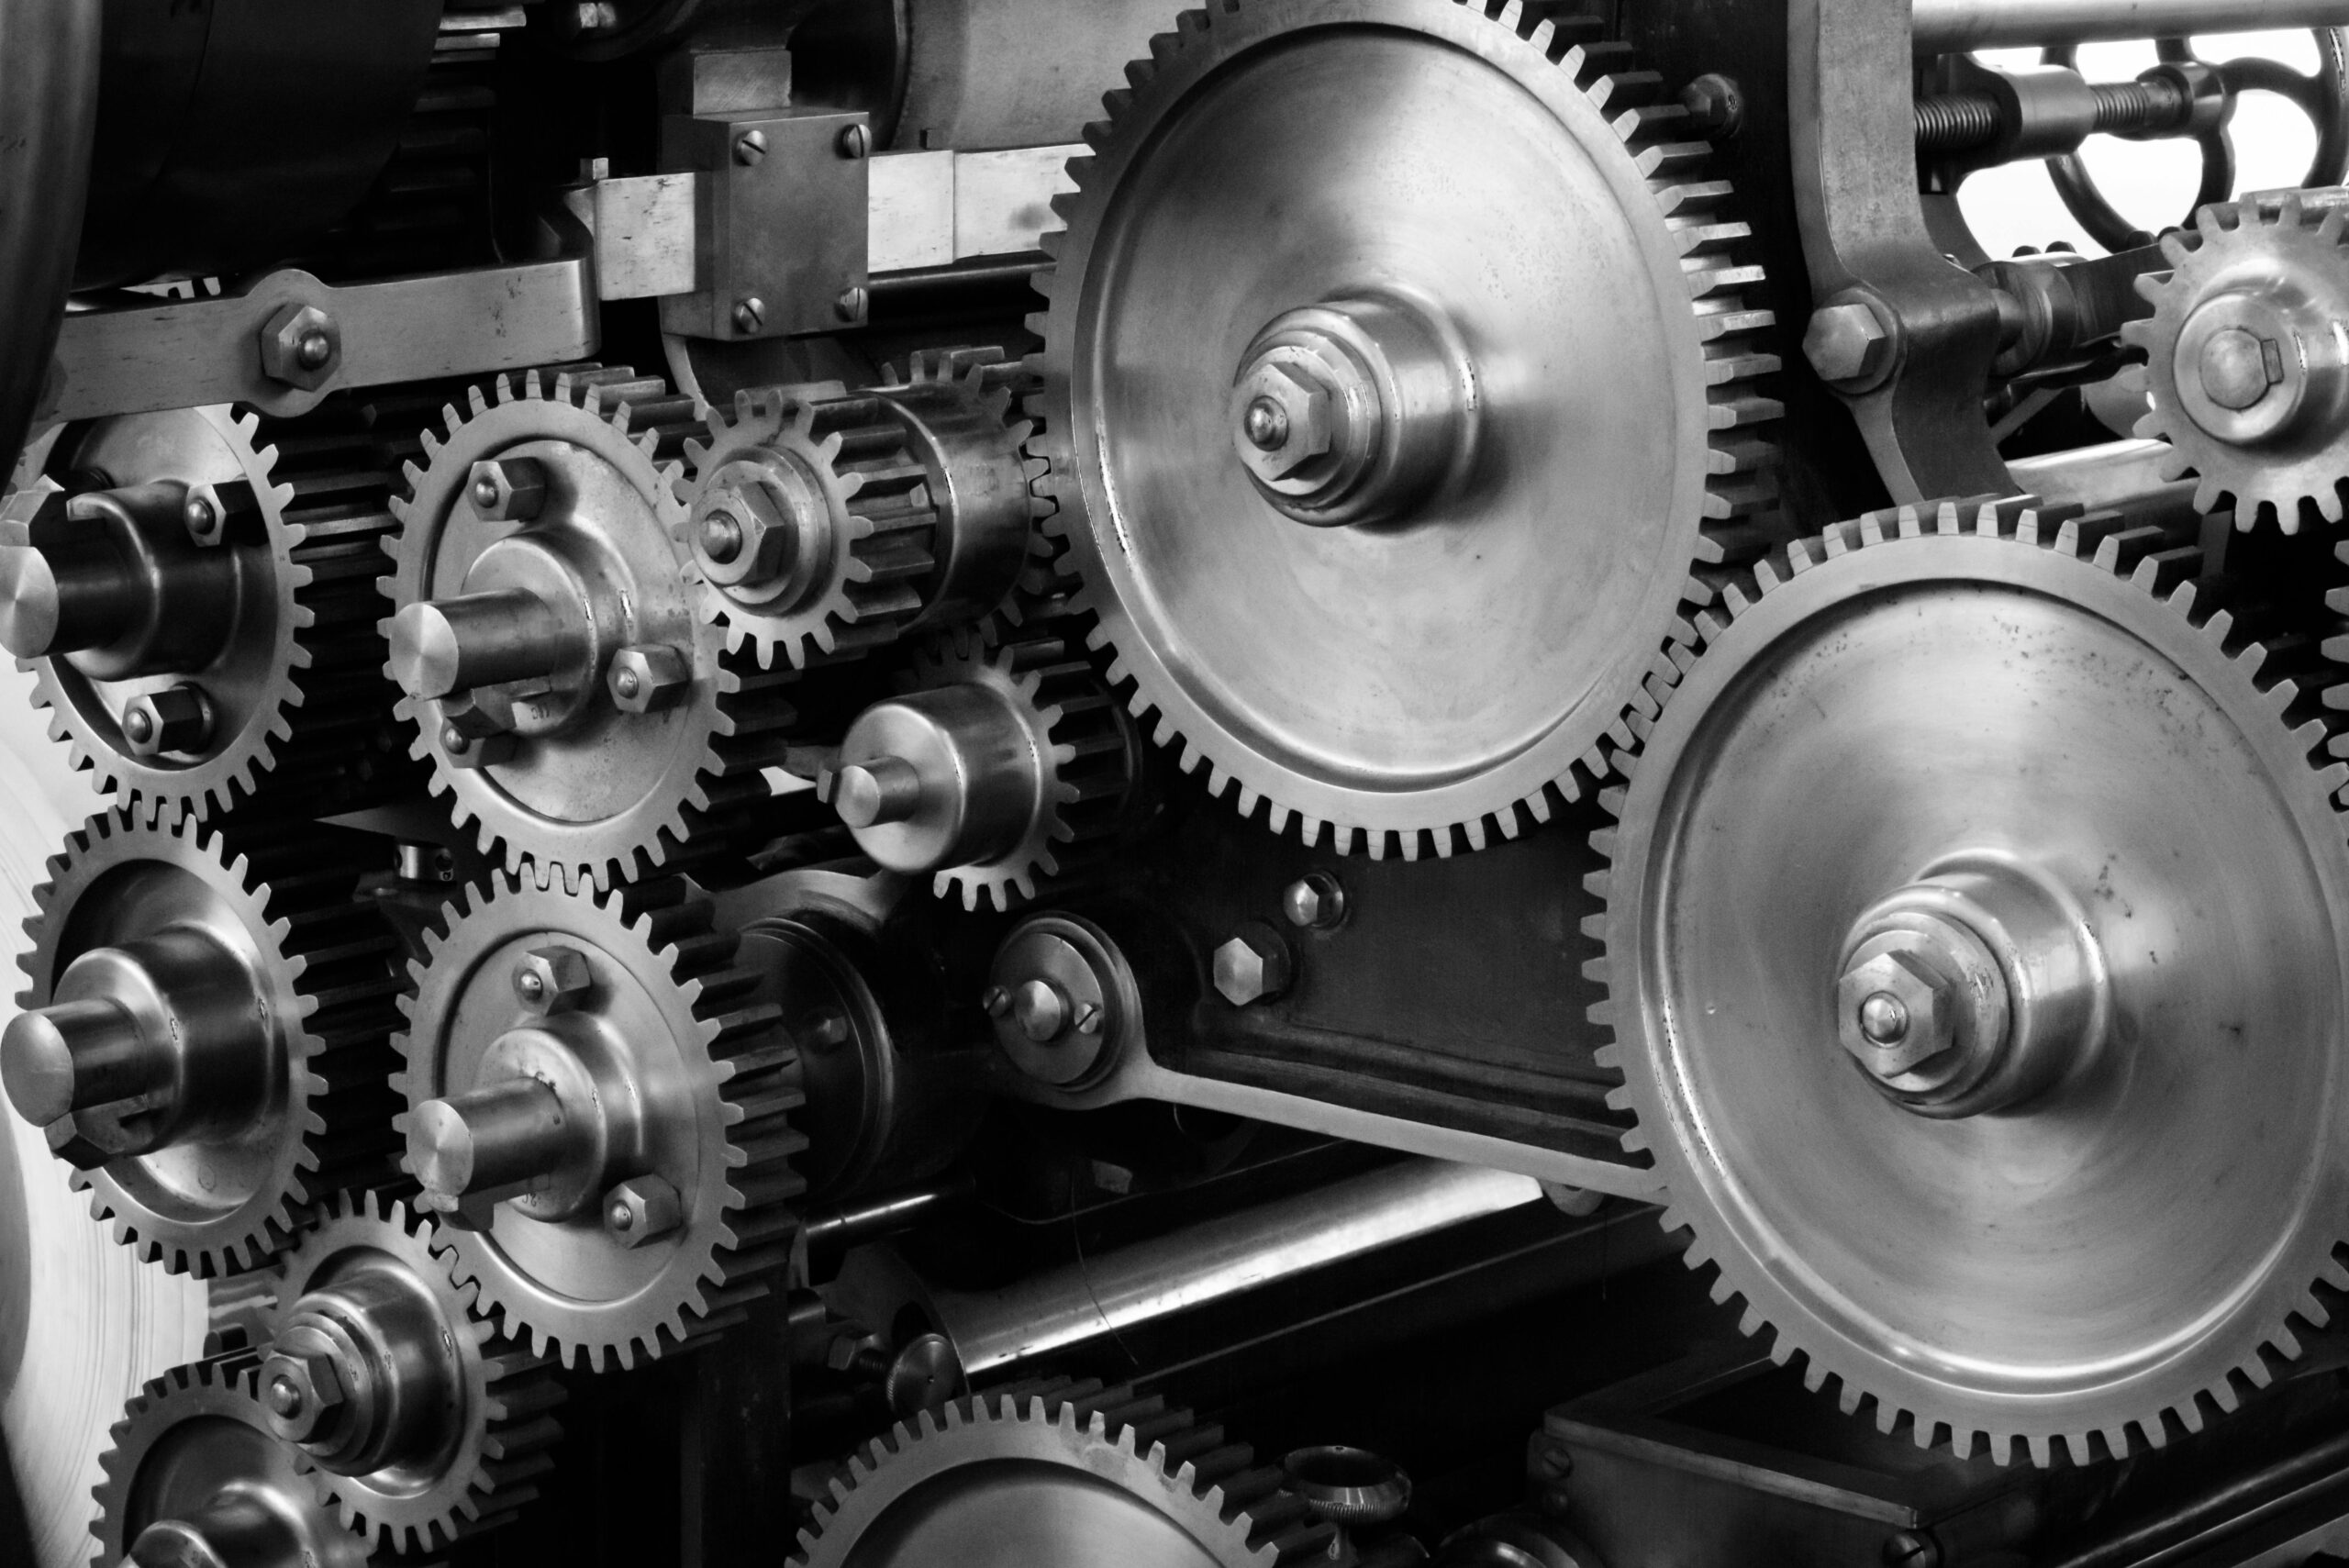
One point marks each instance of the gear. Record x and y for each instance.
(567, 694)
(1404, 573)
(542, 1020)
(2244, 386)
(219, 641)
(193, 1467)
(1996, 1075)
(205, 1027)
(1060, 1475)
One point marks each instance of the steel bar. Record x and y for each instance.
(1951, 26)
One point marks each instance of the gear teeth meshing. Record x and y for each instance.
(2298, 681)
(1240, 1513)
(1740, 513)
(740, 1230)
(292, 887)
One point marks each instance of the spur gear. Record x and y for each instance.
(1059, 1475)
(568, 695)
(194, 1475)
(1387, 516)
(593, 1091)
(202, 626)
(2247, 382)
(993, 767)
(205, 1033)
(426, 1428)
(1997, 1075)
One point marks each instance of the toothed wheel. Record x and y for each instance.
(205, 1033)
(1059, 1475)
(2248, 385)
(568, 695)
(194, 1475)
(427, 1429)
(593, 1091)
(201, 628)
(1974, 943)
(1385, 516)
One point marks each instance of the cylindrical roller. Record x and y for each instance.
(481, 639)
(1950, 26)
(494, 1137)
(944, 777)
(56, 1061)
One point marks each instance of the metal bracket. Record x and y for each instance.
(780, 204)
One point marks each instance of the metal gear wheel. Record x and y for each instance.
(194, 1467)
(205, 1027)
(234, 652)
(431, 1428)
(1994, 1072)
(2244, 384)
(608, 1115)
(1059, 1475)
(1405, 572)
(568, 695)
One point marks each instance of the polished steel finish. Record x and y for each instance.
(1062, 1000)
(964, 414)
(512, 1134)
(488, 638)
(1316, 901)
(1348, 1486)
(1951, 26)
(1255, 965)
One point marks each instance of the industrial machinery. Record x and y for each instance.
(1372, 783)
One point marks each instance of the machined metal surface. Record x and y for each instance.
(1946, 26)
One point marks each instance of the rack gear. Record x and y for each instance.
(2058, 809)
(1415, 614)
(593, 1093)
(427, 1428)
(1062, 1474)
(566, 692)
(205, 1027)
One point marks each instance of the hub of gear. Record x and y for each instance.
(567, 691)
(592, 1094)
(1390, 528)
(1995, 1076)
(204, 1031)
(1059, 1475)
(2248, 380)
(426, 1426)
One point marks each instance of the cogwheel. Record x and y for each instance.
(436, 1429)
(194, 1462)
(222, 644)
(235, 998)
(1024, 1469)
(542, 1019)
(1994, 1069)
(570, 698)
(1413, 621)
(2246, 384)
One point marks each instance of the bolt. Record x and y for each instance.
(851, 304)
(1895, 1011)
(1294, 399)
(647, 676)
(1314, 901)
(1883, 1018)
(283, 1397)
(455, 741)
(1041, 1010)
(315, 351)
(749, 147)
(641, 1210)
(721, 537)
(509, 490)
(548, 980)
(200, 516)
(177, 719)
(301, 1384)
(1267, 424)
(1716, 106)
(2239, 366)
(750, 314)
(138, 724)
(286, 351)
(855, 142)
(1847, 342)
(1253, 966)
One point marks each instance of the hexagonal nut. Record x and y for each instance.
(764, 542)
(1253, 966)
(221, 510)
(78, 1149)
(507, 490)
(1305, 404)
(177, 719)
(641, 1210)
(1847, 342)
(552, 979)
(301, 1386)
(1930, 998)
(647, 676)
(301, 346)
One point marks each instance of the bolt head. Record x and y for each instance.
(1903, 987)
(640, 1210)
(648, 676)
(509, 489)
(1847, 342)
(287, 350)
(302, 1386)
(550, 980)
(1716, 106)
(1253, 966)
(1315, 902)
(177, 719)
(1283, 394)
(996, 1001)
(748, 530)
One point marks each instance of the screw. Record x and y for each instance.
(455, 741)
(626, 683)
(548, 979)
(1883, 1018)
(998, 1001)
(1911, 1549)
(201, 517)
(1088, 1017)
(177, 719)
(1266, 424)
(749, 147)
(855, 142)
(642, 1209)
(851, 304)
(1554, 1464)
(721, 537)
(750, 314)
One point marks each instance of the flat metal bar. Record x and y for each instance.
(1953, 27)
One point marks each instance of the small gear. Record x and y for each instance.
(2247, 386)
(193, 1461)
(458, 1452)
(234, 998)
(221, 644)
(593, 1092)
(2039, 973)
(1032, 1471)
(566, 692)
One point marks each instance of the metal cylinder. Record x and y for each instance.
(235, 1529)
(58, 1060)
(494, 1137)
(943, 777)
(481, 639)
(1953, 27)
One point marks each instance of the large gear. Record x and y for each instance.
(457, 1446)
(1416, 613)
(1060, 1475)
(1996, 1075)
(207, 1028)
(230, 658)
(632, 1005)
(567, 693)
(2246, 384)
